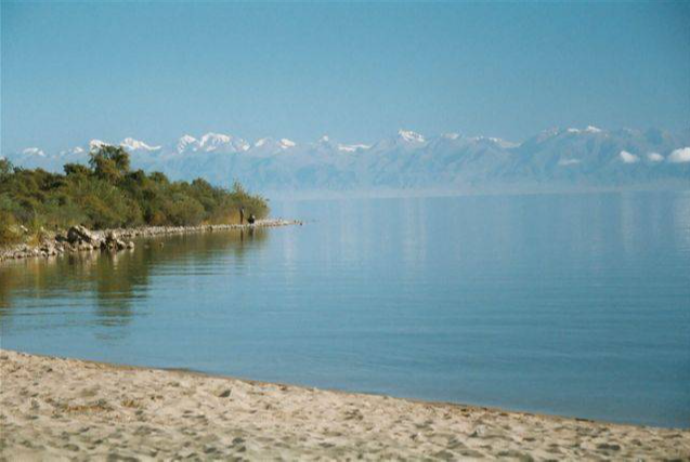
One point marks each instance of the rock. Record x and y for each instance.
(81, 239)
(112, 242)
(79, 233)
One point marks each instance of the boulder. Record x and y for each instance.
(80, 233)
(48, 249)
(112, 242)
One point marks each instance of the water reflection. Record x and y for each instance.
(574, 305)
(112, 282)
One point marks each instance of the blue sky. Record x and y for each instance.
(358, 72)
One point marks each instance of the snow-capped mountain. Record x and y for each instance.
(186, 143)
(558, 158)
(33, 152)
(269, 146)
(409, 136)
(130, 144)
(353, 147)
(211, 142)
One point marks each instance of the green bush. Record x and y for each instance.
(9, 232)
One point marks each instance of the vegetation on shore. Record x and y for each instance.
(108, 194)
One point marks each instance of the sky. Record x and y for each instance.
(357, 72)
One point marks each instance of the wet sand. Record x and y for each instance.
(66, 409)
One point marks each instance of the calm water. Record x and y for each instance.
(573, 305)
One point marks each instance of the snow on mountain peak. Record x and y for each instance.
(33, 152)
(589, 129)
(451, 136)
(353, 147)
(186, 140)
(261, 142)
(628, 158)
(410, 136)
(655, 157)
(680, 156)
(132, 144)
(497, 141)
(71, 152)
(214, 139)
(324, 139)
(286, 143)
(271, 145)
(95, 144)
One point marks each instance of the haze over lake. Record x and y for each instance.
(574, 305)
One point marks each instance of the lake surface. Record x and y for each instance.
(575, 305)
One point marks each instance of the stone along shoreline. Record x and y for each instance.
(81, 239)
(67, 409)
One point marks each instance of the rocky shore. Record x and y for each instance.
(66, 409)
(80, 239)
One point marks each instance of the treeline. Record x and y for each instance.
(108, 194)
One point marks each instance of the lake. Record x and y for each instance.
(574, 305)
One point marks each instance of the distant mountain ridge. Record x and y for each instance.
(554, 159)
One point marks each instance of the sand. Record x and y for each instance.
(66, 409)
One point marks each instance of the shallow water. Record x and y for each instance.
(576, 305)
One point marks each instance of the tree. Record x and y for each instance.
(6, 168)
(76, 169)
(238, 189)
(110, 163)
(159, 177)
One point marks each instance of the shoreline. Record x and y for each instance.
(67, 408)
(53, 246)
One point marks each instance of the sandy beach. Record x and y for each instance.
(66, 409)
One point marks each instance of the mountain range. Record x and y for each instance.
(556, 159)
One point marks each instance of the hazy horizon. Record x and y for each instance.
(252, 142)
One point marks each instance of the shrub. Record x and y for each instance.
(9, 231)
(106, 194)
